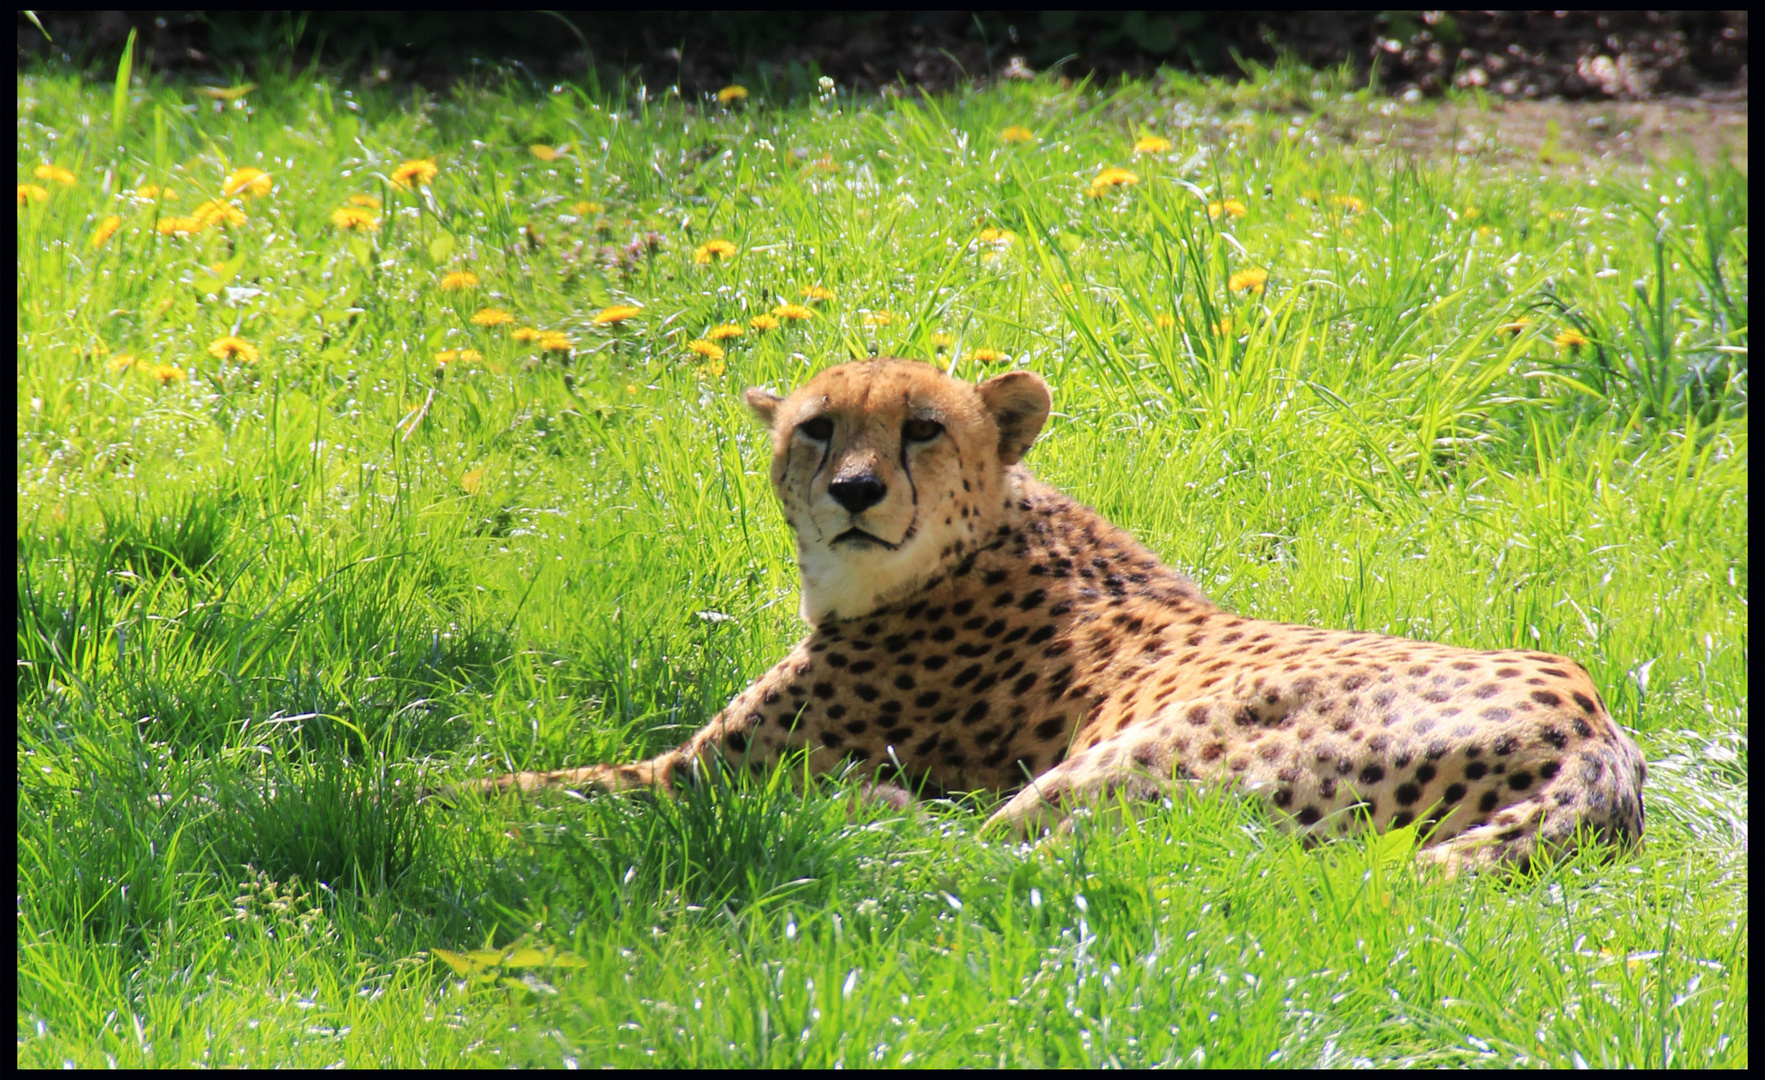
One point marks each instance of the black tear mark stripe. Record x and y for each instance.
(826, 452)
(907, 471)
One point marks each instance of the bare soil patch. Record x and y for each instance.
(1590, 135)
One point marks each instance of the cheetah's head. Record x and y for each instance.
(890, 470)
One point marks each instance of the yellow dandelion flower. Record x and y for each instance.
(941, 342)
(1517, 326)
(459, 281)
(1558, 215)
(180, 226)
(706, 349)
(792, 311)
(30, 193)
(1112, 177)
(763, 322)
(524, 334)
(105, 230)
(1017, 133)
(446, 356)
(544, 153)
(1163, 321)
(471, 356)
(420, 172)
(878, 318)
(1231, 208)
(816, 293)
(355, 219)
(616, 314)
(585, 208)
(248, 180)
(824, 163)
(491, 316)
(1348, 202)
(226, 93)
(1151, 144)
(996, 242)
(711, 369)
(1471, 213)
(732, 93)
(713, 251)
(370, 202)
(1253, 280)
(1223, 328)
(987, 356)
(54, 173)
(554, 341)
(231, 348)
(121, 362)
(723, 332)
(1485, 230)
(166, 373)
(1570, 339)
(153, 193)
(220, 212)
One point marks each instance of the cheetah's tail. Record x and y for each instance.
(1595, 798)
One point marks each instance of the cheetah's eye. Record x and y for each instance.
(820, 429)
(922, 430)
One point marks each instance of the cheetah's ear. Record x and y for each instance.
(763, 403)
(1018, 402)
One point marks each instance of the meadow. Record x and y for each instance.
(370, 439)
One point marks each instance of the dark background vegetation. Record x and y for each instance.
(1621, 54)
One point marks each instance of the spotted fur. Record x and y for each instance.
(972, 628)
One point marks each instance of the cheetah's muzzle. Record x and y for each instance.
(860, 537)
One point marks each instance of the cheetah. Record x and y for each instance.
(972, 628)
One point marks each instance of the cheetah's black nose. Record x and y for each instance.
(858, 493)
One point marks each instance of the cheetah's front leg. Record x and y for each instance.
(655, 774)
(1137, 764)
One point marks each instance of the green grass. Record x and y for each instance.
(260, 603)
